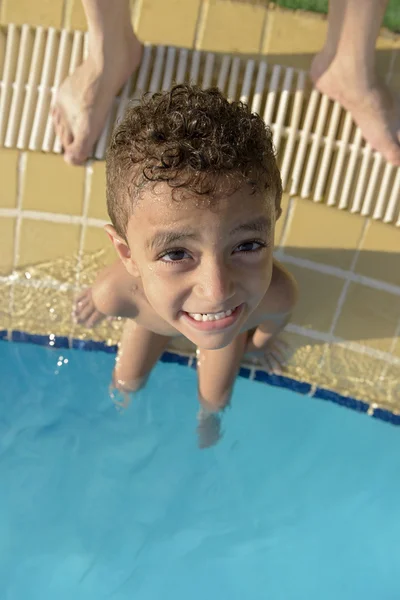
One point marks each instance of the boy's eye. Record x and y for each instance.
(252, 246)
(174, 256)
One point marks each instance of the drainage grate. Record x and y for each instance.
(322, 155)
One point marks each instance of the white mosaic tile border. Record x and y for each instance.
(305, 126)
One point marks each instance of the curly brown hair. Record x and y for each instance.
(194, 140)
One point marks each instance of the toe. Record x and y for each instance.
(392, 154)
(66, 136)
(65, 133)
(62, 127)
(56, 116)
(78, 150)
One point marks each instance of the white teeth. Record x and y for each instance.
(210, 316)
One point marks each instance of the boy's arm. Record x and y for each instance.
(285, 294)
(113, 292)
(266, 331)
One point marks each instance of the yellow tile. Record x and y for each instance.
(383, 61)
(98, 252)
(353, 374)
(379, 255)
(75, 15)
(387, 40)
(50, 185)
(302, 356)
(2, 49)
(173, 22)
(232, 27)
(293, 37)
(42, 311)
(35, 12)
(97, 240)
(7, 232)
(387, 46)
(8, 170)
(396, 350)
(369, 317)
(392, 381)
(106, 331)
(98, 203)
(5, 306)
(323, 234)
(281, 221)
(318, 298)
(43, 241)
(394, 79)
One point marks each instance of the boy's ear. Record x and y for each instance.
(122, 249)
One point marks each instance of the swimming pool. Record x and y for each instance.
(298, 500)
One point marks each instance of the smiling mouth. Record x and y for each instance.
(211, 316)
(213, 321)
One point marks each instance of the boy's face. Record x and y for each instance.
(196, 261)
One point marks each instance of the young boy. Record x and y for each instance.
(193, 193)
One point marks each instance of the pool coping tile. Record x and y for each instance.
(260, 375)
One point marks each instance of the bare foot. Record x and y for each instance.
(372, 105)
(85, 97)
(208, 428)
(273, 357)
(85, 312)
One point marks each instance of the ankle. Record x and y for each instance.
(106, 47)
(345, 71)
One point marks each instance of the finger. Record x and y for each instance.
(276, 366)
(83, 294)
(94, 319)
(278, 356)
(81, 308)
(282, 350)
(267, 363)
(82, 304)
(84, 314)
(56, 117)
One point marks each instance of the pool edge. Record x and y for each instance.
(253, 373)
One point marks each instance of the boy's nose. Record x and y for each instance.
(215, 285)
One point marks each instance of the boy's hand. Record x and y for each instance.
(85, 312)
(208, 428)
(273, 355)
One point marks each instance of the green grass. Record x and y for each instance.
(391, 20)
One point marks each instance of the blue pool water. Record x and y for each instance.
(300, 500)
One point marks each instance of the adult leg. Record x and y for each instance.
(85, 97)
(345, 70)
